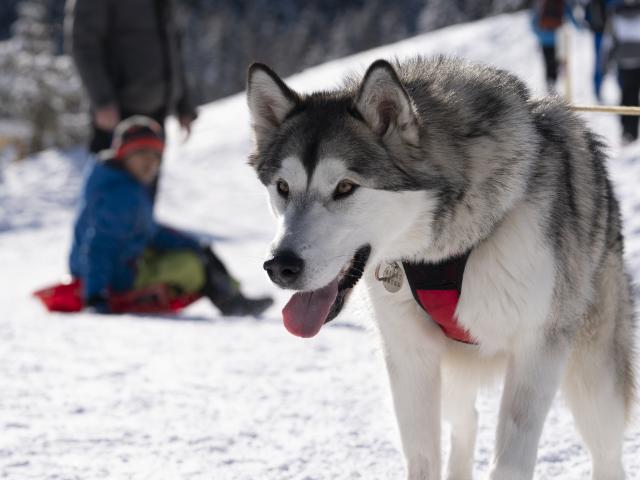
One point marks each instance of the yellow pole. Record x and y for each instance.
(607, 109)
(622, 110)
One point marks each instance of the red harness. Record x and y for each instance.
(436, 287)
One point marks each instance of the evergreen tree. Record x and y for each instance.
(38, 88)
(221, 38)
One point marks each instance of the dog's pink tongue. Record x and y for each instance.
(306, 312)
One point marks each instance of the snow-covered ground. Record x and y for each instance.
(202, 397)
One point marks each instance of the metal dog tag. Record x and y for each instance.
(391, 277)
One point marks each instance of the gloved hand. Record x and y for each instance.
(98, 303)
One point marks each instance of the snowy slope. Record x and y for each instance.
(200, 397)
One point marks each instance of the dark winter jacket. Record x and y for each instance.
(114, 226)
(549, 13)
(596, 15)
(625, 31)
(128, 53)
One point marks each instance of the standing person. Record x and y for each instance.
(119, 247)
(596, 17)
(625, 33)
(546, 19)
(128, 54)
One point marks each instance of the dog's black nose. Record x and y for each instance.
(284, 268)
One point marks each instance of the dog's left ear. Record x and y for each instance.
(269, 99)
(385, 104)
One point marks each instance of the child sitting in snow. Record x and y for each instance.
(119, 247)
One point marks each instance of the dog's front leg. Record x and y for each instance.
(533, 376)
(413, 352)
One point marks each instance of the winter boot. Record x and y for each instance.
(241, 305)
(224, 291)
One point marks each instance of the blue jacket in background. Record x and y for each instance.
(113, 228)
(546, 38)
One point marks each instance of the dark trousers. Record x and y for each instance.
(630, 84)
(101, 140)
(550, 63)
(598, 71)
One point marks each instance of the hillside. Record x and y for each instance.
(202, 397)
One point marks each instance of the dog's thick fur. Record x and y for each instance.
(440, 157)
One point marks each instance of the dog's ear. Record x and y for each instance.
(269, 99)
(385, 105)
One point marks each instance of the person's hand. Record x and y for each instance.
(186, 120)
(107, 117)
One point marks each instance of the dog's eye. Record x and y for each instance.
(283, 188)
(344, 189)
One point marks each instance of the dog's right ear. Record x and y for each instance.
(269, 99)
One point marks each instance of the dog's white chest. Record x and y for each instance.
(508, 284)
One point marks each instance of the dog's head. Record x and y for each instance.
(335, 165)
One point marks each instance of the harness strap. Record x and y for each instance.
(437, 287)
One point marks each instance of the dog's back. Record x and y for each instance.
(586, 229)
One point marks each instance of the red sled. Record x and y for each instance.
(67, 297)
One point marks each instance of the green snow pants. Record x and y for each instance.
(182, 269)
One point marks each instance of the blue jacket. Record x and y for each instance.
(113, 227)
(546, 38)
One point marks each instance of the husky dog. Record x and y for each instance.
(428, 159)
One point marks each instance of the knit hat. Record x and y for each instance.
(137, 133)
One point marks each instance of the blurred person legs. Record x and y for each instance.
(189, 272)
(630, 85)
(546, 18)
(624, 23)
(596, 17)
(551, 66)
(180, 269)
(598, 69)
(224, 291)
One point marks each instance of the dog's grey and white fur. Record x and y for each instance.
(426, 159)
